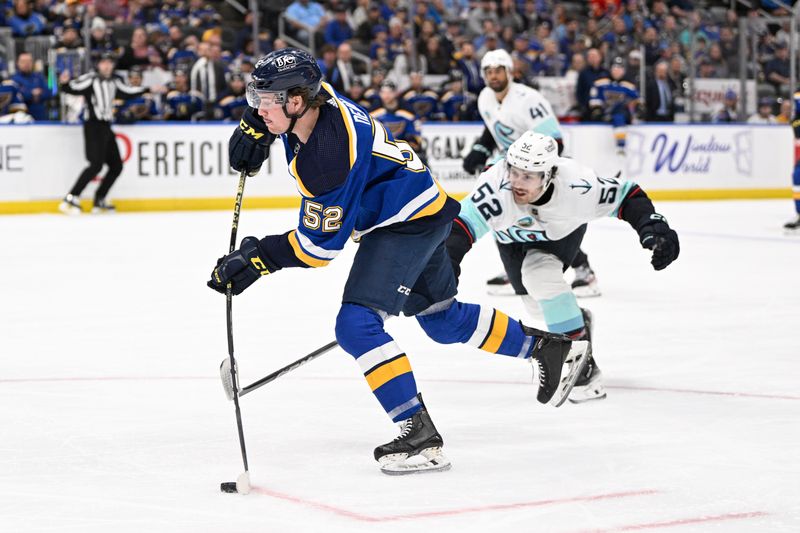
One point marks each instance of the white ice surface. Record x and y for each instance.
(112, 417)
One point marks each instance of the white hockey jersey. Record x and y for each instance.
(523, 109)
(579, 196)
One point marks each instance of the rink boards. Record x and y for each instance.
(176, 167)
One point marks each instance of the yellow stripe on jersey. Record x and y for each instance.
(302, 255)
(796, 195)
(619, 135)
(293, 171)
(388, 371)
(348, 123)
(435, 206)
(497, 334)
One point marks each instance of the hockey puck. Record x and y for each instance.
(228, 486)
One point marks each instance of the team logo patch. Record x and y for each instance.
(285, 63)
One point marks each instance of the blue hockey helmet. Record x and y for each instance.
(280, 71)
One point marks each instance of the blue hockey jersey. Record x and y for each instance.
(353, 178)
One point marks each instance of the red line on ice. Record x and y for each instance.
(681, 522)
(448, 512)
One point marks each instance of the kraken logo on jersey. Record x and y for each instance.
(504, 134)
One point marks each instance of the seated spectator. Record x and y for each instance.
(785, 115)
(763, 115)
(777, 69)
(380, 34)
(660, 102)
(203, 15)
(101, 39)
(330, 70)
(356, 94)
(523, 52)
(439, 62)
(138, 108)
(12, 106)
(729, 111)
(24, 22)
(67, 14)
(729, 46)
(372, 94)
(470, 67)
(420, 99)
(457, 104)
(70, 39)
(348, 70)
(397, 38)
(550, 62)
(182, 103)
(306, 20)
(365, 30)
(233, 102)
(586, 78)
(32, 86)
(338, 30)
(173, 14)
(721, 69)
(137, 52)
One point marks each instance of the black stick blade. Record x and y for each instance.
(228, 486)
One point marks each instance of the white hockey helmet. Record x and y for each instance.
(534, 152)
(497, 58)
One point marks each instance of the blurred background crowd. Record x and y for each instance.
(421, 56)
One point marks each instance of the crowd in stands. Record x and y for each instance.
(196, 56)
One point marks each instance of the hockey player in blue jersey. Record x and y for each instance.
(794, 225)
(613, 100)
(355, 179)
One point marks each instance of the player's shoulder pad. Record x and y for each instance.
(226, 100)
(378, 113)
(627, 85)
(197, 94)
(601, 81)
(174, 93)
(323, 164)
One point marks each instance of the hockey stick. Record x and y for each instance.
(242, 484)
(228, 383)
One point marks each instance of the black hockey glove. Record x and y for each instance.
(476, 158)
(249, 144)
(656, 235)
(242, 268)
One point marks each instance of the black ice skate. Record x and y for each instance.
(589, 385)
(103, 206)
(793, 225)
(550, 353)
(585, 283)
(417, 449)
(500, 285)
(70, 205)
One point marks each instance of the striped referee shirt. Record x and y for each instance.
(99, 94)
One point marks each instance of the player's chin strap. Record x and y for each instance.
(295, 116)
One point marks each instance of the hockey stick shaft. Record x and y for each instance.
(288, 368)
(229, 312)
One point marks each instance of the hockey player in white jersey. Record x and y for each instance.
(537, 205)
(508, 110)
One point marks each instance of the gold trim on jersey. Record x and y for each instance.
(293, 171)
(434, 206)
(302, 255)
(348, 123)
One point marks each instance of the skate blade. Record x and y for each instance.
(577, 358)
(500, 290)
(587, 291)
(428, 460)
(589, 395)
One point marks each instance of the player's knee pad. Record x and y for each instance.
(543, 275)
(359, 329)
(454, 323)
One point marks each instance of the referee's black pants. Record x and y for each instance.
(100, 146)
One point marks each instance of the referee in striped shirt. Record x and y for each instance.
(99, 89)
